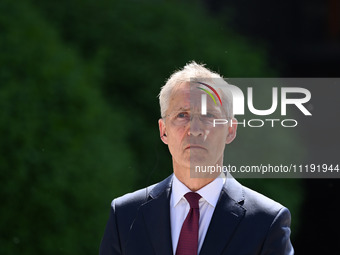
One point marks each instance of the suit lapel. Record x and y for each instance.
(226, 217)
(156, 214)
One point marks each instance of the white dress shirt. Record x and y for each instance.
(179, 208)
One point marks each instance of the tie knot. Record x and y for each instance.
(192, 198)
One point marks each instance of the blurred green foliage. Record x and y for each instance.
(79, 112)
(63, 156)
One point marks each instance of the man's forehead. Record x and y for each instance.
(187, 96)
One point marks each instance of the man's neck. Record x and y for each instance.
(193, 183)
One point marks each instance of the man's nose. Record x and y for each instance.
(195, 126)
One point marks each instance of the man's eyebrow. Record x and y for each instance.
(183, 109)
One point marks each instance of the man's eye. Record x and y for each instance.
(182, 115)
(210, 115)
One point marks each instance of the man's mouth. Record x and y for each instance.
(194, 146)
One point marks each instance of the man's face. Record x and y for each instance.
(191, 137)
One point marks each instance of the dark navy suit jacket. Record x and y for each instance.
(244, 223)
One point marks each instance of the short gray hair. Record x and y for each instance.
(193, 72)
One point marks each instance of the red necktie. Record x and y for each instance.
(188, 238)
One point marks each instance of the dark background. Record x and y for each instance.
(78, 96)
(303, 40)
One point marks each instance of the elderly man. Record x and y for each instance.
(194, 212)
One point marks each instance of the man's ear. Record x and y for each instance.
(162, 131)
(231, 131)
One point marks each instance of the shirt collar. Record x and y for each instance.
(209, 192)
(178, 190)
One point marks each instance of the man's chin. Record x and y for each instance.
(197, 171)
(200, 168)
(199, 157)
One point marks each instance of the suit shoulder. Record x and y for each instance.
(257, 203)
(249, 199)
(133, 199)
(263, 213)
(139, 197)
